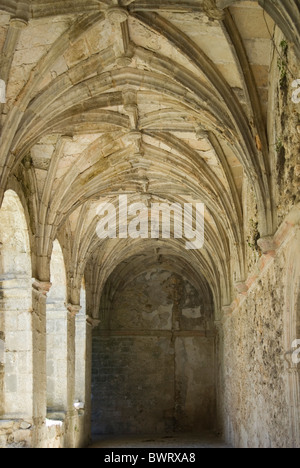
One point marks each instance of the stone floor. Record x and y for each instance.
(206, 440)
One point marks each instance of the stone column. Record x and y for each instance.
(294, 388)
(70, 439)
(91, 324)
(39, 296)
(225, 416)
(16, 338)
(219, 357)
(81, 326)
(80, 377)
(73, 310)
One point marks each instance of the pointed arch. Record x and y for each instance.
(16, 342)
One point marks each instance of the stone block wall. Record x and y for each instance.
(153, 360)
(260, 384)
(260, 381)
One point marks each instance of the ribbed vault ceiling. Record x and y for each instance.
(163, 101)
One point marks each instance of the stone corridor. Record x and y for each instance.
(149, 223)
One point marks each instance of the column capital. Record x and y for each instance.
(92, 321)
(73, 309)
(18, 23)
(42, 287)
(294, 370)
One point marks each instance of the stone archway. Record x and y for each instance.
(16, 366)
(153, 354)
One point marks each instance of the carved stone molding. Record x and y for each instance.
(41, 287)
(94, 323)
(212, 11)
(134, 135)
(201, 134)
(266, 244)
(18, 23)
(73, 309)
(117, 15)
(218, 324)
(227, 309)
(124, 61)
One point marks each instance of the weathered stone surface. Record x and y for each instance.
(6, 424)
(24, 425)
(153, 365)
(166, 102)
